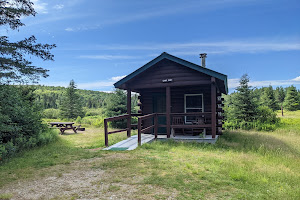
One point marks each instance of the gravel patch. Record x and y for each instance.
(80, 180)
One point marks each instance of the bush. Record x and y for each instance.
(51, 113)
(78, 120)
(266, 121)
(20, 121)
(93, 112)
(267, 115)
(97, 121)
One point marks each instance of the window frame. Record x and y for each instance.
(185, 95)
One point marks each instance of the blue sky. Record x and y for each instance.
(99, 41)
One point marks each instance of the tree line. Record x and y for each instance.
(51, 97)
(254, 108)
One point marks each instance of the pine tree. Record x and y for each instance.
(244, 105)
(291, 101)
(71, 106)
(268, 98)
(115, 105)
(14, 63)
(280, 95)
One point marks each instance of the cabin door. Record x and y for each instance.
(159, 106)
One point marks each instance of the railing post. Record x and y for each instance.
(155, 125)
(168, 110)
(213, 107)
(105, 132)
(129, 113)
(139, 131)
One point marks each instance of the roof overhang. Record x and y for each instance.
(188, 64)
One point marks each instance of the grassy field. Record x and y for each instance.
(241, 165)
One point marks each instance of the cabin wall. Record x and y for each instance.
(177, 99)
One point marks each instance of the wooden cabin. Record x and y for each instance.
(176, 97)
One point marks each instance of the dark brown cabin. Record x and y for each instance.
(176, 97)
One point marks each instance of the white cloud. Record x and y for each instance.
(95, 85)
(58, 6)
(117, 78)
(40, 7)
(297, 78)
(98, 85)
(149, 11)
(69, 29)
(82, 28)
(219, 47)
(108, 57)
(233, 83)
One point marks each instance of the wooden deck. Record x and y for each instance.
(131, 143)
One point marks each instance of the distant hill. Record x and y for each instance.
(51, 96)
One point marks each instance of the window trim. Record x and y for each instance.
(185, 95)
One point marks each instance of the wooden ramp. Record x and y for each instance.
(130, 143)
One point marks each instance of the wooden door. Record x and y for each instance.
(159, 106)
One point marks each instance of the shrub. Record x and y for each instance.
(266, 115)
(97, 121)
(92, 112)
(78, 120)
(20, 121)
(51, 113)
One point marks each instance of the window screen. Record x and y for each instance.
(193, 103)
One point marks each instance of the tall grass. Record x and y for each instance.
(241, 165)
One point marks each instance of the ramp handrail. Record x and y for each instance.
(106, 120)
(140, 130)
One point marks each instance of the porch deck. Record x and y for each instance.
(131, 143)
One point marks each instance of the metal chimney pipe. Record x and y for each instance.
(203, 56)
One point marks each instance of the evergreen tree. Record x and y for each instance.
(244, 105)
(280, 95)
(115, 105)
(291, 101)
(268, 98)
(71, 106)
(14, 63)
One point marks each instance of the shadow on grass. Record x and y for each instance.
(241, 141)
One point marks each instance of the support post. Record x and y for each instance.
(129, 112)
(105, 132)
(155, 125)
(213, 107)
(139, 131)
(168, 110)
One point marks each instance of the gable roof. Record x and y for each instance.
(185, 63)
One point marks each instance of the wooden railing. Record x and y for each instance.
(192, 125)
(120, 117)
(106, 132)
(154, 126)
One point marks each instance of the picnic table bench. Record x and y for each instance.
(63, 126)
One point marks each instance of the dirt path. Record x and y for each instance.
(81, 180)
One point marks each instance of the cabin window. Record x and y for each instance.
(193, 103)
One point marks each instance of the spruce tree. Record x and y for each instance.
(268, 98)
(115, 105)
(244, 102)
(71, 106)
(291, 101)
(280, 95)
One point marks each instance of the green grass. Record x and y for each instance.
(241, 165)
(290, 122)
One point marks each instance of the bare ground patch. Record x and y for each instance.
(82, 180)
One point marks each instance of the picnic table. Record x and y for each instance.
(63, 126)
